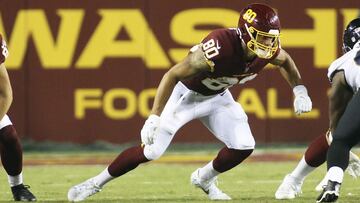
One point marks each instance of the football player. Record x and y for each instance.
(342, 89)
(197, 88)
(344, 74)
(10, 147)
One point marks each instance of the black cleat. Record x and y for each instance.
(330, 193)
(22, 193)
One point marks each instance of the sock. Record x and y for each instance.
(103, 178)
(302, 170)
(15, 180)
(229, 158)
(10, 150)
(336, 174)
(315, 154)
(207, 172)
(127, 160)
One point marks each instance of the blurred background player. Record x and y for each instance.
(10, 147)
(344, 73)
(197, 88)
(340, 95)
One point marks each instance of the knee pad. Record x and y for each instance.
(152, 153)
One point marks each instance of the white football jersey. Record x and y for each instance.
(347, 64)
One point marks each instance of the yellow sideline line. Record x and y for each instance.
(194, 158)
(168, 158)
(185, 158)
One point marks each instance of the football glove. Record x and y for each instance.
(354, 165)
(148, 131)
(302, 102)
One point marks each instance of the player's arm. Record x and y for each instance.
(339, 96)
(288, 68)
(5, 91)
(193, 64)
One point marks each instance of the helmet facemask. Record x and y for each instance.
(263, 44)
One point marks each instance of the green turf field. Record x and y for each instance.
(158, 182)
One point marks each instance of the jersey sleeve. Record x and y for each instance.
(217, 45)
(4, 53)
(338, 64)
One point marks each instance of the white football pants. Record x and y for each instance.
(220, 113)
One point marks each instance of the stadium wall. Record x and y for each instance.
(88, 70)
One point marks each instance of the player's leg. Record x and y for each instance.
(353, 168)
(229, 124)
(126, 161)
(11, 158)
(130, 158)
(314, 156)
(345, 137)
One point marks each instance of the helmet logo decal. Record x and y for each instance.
(249, 16)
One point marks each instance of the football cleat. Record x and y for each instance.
(22, 193)
(353, 170)
(83, 190)
(289, 188)
(208, 186)
(330, 192)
